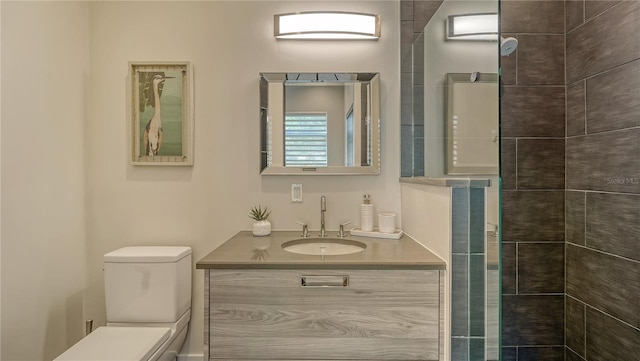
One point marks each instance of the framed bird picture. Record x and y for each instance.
(162, 119)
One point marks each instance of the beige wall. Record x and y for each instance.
(68, 193)
(45, 67)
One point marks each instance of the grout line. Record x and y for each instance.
(605, 253)
(607, 314)
(535, 242)
(605, 132)
(555, 294)
(553, 86)
(603, 192)
(575, 299)
(602, 72)
(600, 13)
(522, 190)
(584, 15)
(572, 350)
(536, 138)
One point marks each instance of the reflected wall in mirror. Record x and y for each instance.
(471, 123)
(319, 123)
(424, 131)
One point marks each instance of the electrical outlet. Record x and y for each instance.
(296, 193)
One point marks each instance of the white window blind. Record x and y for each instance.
(305, 140)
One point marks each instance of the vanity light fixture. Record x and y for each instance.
(475, 27)
(327, 25)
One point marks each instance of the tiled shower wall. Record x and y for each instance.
(533, 158)
(603, 181)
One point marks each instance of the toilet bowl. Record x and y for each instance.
(148, 299)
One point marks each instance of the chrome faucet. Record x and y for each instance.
(323, 209)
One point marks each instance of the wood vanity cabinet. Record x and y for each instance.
(316, 314)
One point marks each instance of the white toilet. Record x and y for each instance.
(148, 299)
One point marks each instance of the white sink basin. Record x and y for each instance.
(323, 246)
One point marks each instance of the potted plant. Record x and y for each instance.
(262, 227)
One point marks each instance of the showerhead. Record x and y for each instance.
(508, 45)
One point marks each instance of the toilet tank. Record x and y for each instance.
(147, 284)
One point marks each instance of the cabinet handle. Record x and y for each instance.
(325, 281)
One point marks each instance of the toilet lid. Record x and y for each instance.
(117, 344)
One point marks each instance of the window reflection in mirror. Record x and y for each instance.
(305, 139)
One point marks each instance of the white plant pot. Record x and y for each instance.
(262, 228)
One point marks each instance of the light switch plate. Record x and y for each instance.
(296, 193)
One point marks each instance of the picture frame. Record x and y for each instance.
(161, 113)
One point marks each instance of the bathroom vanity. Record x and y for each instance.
(264, 303)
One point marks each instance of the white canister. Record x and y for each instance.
(366, 217)
(387, 222)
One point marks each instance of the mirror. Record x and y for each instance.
(471, 126)
(425, 94)
(319, 123)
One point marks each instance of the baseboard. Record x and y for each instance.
(191, 357)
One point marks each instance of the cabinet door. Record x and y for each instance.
(321, 315)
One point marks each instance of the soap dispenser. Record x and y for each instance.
(366, 214)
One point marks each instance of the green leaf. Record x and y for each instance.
(259, 214)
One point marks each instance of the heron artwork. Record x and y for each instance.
(152, 139)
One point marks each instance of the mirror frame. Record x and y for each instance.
(456, 78)
(370, 79)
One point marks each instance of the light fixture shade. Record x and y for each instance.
(326, 25)
(478, 27)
